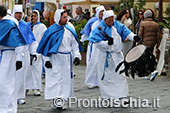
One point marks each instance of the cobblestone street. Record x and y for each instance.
(138, 88)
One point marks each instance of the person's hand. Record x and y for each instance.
(48, 64)
(124, 17)
(110, 41)
(137, 38)
(76, 61)
(33, 57)
(18, 65)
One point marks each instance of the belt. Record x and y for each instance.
(108, 56)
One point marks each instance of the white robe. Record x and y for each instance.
(33, 78)
(24, 71)
(8, 78)
(113, 85)
(128, 44)
(91, 61)
(58, 79)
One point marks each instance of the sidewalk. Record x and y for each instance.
(138, 88)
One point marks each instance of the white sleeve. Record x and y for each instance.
(103, 46)
(32, 47)
(83, 38)
(75, 48)
(19, 52)
(131, 36)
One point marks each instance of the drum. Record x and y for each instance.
(139, 60)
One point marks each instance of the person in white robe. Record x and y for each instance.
(92, 54)
(33, 78)
(60, 45)
(112, 85)
(11, 49)
(30, 48)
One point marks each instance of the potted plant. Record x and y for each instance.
(78, 27)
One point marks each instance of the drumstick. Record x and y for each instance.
(100, 28)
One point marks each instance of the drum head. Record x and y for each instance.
(135, 53)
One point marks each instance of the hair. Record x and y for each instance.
(153, 14)
(112, 8)
(123, 12)
(141, 10)
(63, 13)
(79, 8)
(35, 12)
(3, 11)
(94, 8)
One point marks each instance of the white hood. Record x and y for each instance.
(98, 9)
(38, 15)
(107, 14)
(57, 15)
(17, 8)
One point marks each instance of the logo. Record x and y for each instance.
(59, 102)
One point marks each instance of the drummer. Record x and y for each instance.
(149, 32)
(112, 85)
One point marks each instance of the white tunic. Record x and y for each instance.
(91, 61)
(113, 84)
(8, 78)
(33, 78)
(24, 71)
(58, 79)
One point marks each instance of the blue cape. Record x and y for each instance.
(29, 23)
(26, 32)
(97, 36)
(52, 38)
(87, 28)
(10, 35)
(122, 30)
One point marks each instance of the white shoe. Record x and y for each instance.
(153, 75)
(145, 78)
(20, 101)
(37, 92)
(90, 87)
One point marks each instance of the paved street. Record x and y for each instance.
(138, 88)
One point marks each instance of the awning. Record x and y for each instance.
(85, 2)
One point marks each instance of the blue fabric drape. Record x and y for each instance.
(97, 36)
(52, 38)
(26, 32)
(87, 28)
(10, 35)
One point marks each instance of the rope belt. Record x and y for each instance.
(108, 56)
(91, 47)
